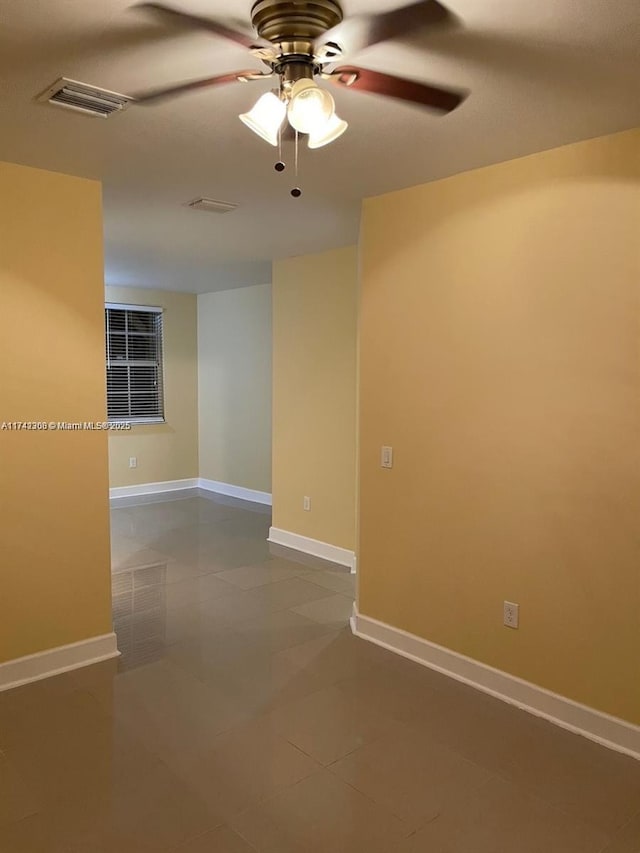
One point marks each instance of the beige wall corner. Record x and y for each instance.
(234, 380)
(55, 582)
(314, 395)
(499, 357)
(167, 451)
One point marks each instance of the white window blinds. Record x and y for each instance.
(134, 363)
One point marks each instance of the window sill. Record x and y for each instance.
(139, 421)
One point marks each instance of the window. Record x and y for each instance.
(134, 363)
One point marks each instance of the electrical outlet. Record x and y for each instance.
(386, 457)
(133, 462)
(306, 504)
(511, 614)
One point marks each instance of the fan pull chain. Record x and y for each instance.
(280, 165)
(296, 192)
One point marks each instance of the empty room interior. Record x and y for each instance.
(320, 426)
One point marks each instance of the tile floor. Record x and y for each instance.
(243, 716)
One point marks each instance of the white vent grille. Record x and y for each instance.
(83, 98)
(210, 205)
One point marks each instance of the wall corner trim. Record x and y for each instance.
(14, 673)
(602, 728)
(227, 489)
(323, 550)
(232, 491)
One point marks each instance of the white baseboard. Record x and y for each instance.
(323, 550)
(55, 661)
(235, 491)
(609, 731)
(152, 488)
(227, 489)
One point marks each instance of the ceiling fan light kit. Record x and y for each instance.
(309, 109)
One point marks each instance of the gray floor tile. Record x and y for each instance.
(334, 610)
(498, 817)
(244, 716)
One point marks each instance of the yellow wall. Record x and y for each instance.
(314, 395)
(166, 451)
(55, 583)
(234, 381)
(500, 358)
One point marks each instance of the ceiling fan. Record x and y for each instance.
(300, 40)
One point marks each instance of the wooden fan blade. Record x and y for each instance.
(364, 80)
(201, 23)
(360, 31)
(155, 95)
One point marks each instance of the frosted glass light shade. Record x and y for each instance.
(266, 117)
(329, 132)
(310, 106)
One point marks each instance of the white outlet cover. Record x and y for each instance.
(511, 614)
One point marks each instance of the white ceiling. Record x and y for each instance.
(542, 74)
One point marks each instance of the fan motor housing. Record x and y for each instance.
(291, 20)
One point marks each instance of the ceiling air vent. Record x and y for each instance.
(84, 98)
(210, 205)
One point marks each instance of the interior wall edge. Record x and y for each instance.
(57, 660)
(314, 547)
(605, 729)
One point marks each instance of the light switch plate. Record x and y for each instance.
(386, 457)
